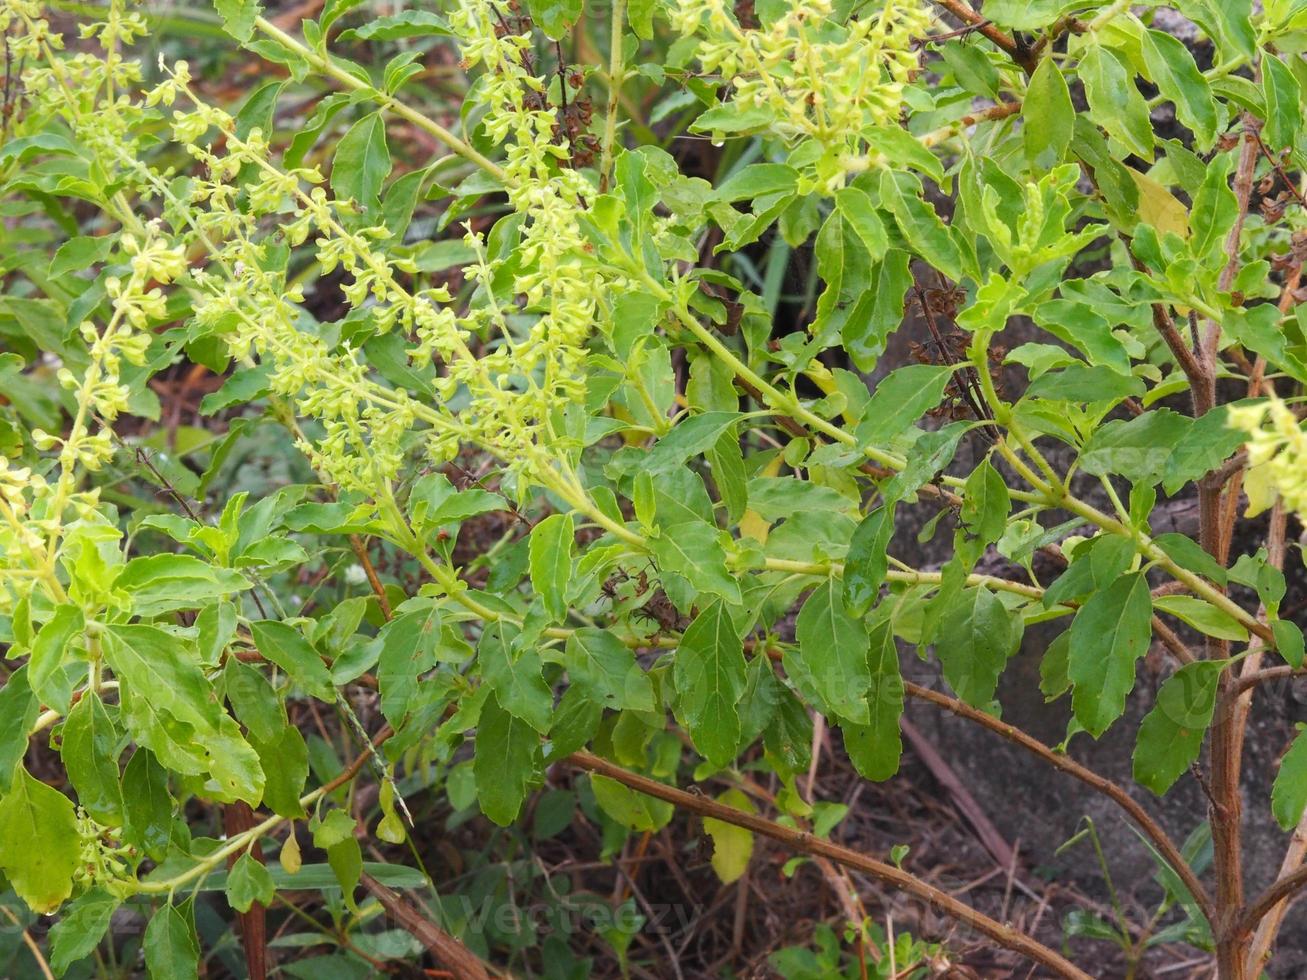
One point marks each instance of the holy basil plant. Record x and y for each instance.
(583, 480)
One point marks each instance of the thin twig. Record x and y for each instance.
(808, 844)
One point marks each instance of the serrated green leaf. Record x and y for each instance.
(397, 27)
(1289, 793)
(606, 670)
(165, 583)
(1171, 734)
(286, 647)
(515, 676)
(1111, 631)
(867, 561)
(39, 842)
(172, 951)
(507, 762)
(832, 654)
(362, 162)
(709, 673)
(977, 635)
(249, 882)
(18, 712)
(555, 17)
(1115, 103)
(1172, 69)
(80, 929)
(876, 748)
(693, 550)
(89, 749)
(551, 562)
(238, 17)
(1047, 117)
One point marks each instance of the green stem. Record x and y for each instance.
(616, 76)
(329, 68)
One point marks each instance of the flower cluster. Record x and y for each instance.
(816, 77)
(558, 280)
(504, 397)
(1277, 453)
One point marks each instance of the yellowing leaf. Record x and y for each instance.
(753, 526)
(38, 842)
(732, 846)
(1159, 207)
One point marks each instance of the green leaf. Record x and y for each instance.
(165, 583)
(691, 437)
(1115, 103)
(876, 748)
(551, 562)
(732, 845)
(362, 162)
(1171, 734)
(515, 676)
(985, 504)
(507, 762)
(286, 647)
(832, 656)
(1029, 15)
(89, 749)
(867, 561)
(1085, 329)
(397, 27)
(757, 180)
(694, 551)
(605, 669)
(1137, 449)
(709, 673)
(921, 226)
(408, 649)
(977, 635)
(856, 208)
(147, 807)
(39, 842)
(1207, 443)
(159, 668)
(80, 929)
(1202, 616)
(434, 502)
(554, 17)
(629, 808)
(80, 253)
(1283, 103)
(902, 397)
(1289, 793)
(1047, 117)
(51, 651)
(172, 951)
(1288, 641)
(1110, 632)
(18, 712)
(865, 337)
(249, 882)
(1188, 553)
(1171, 67)
(238, 17)
(284, 760)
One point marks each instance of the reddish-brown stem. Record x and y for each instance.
(972, 18)
(361, 552)
(1226, 736)
(1267, 900)
(806, 843)
(1152, 830)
